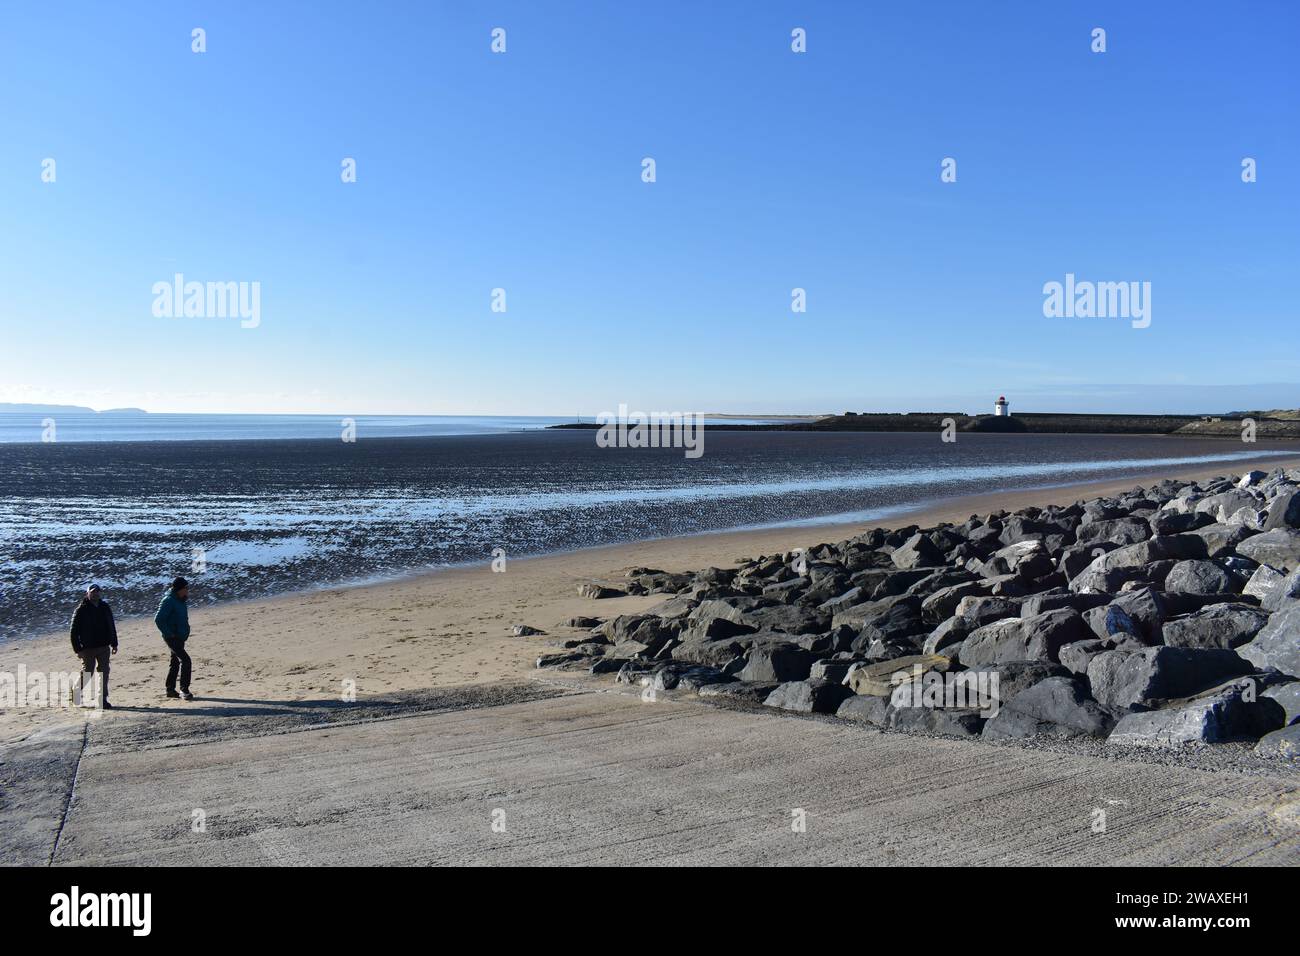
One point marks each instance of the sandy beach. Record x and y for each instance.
(445, 628)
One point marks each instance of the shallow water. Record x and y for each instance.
(265, 517)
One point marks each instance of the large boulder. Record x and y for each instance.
(865, 709)
(1140, 613)
(1076, 655)
(1271, 588)
(1223, 715)
(1281, 743)
(1277, 644)
(1220, 539)
(1279, 548)
(947, 636)
(1223, 626)
(640, 634)
(814, 696)
(748, 692)
(788, 618)
(707, 611)
(918, 551)
(1054, 707)
(598, 592)
(1200, 577)
(776, 663)
(1283, 510)
(1284, 700)
(1010, 678)
(1123, 680)
(718, 653)
(942, 603)
(1056, 600)
(1036, 638)
(930, 720)
(1118, 531)
(891, 621)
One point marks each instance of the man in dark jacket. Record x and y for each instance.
(173, 620)
(94, 637)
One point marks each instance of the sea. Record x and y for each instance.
(249, 506)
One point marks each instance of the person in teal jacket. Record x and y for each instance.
(173, 621)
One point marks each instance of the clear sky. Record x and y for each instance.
(775, 170)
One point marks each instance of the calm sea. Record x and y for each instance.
(267, 516)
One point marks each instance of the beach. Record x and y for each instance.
(451, 627)
(453, 732)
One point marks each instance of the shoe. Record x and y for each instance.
(107, 705)
(187, 695)
(172, 693)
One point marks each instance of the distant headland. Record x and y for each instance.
(1273, 424)
(21, 408)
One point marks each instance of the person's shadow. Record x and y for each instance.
(244, 707)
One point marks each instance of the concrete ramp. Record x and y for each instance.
(530, 774)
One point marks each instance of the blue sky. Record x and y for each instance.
(775, 170)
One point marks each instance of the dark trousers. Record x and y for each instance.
(180, 664)
(96, 659)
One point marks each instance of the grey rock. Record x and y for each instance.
(1076, 655)
(1215, 718)
(864, 709)
(1015, 677)
(1279, 548)
(1283, 510)
(1118, 531)
(830, 669)
(1040, 603)
(674, 608)
(597, 592)
(1221, 539)
(1267, 586)
(812, 696)
(751, 692)
(1123, 680)
(1218, 625)
(1140, 612)
(639, 634)
(948, 634)
(1037, 638)
(943, 603)
(930, 720)
(1286, 698)
(1280, 743)
(1277, 644)
(1054, 707)
(917, 552)
(1200, 577)
(777, 663)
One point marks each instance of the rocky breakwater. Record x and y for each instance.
(1166, 616)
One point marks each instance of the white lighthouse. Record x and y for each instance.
(1000, 407)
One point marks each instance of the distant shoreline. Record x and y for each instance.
(1231, 426)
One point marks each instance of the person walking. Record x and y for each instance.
(94, 637)
(173, 621)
